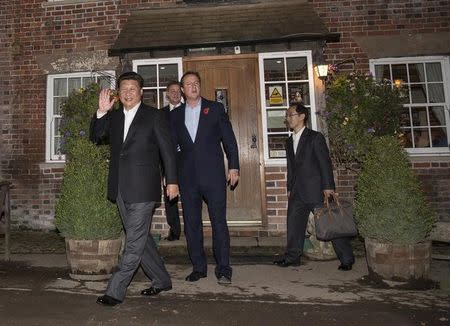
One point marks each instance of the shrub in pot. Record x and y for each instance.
(392, 213)
(84, 216)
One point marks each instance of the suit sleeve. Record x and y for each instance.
(228, 139)
(289, 167)
(166, 148)
(324, 161)
(99, 129)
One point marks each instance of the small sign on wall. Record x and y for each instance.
(275, 95)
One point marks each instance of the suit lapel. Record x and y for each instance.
(182, 117)
(301, 142)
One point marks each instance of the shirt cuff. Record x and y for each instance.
(100, 114)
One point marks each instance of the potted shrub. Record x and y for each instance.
(362, 117)
(392, 213)
(89, 222)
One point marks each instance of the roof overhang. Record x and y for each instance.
(221, 26)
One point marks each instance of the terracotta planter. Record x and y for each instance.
(396, 261)
(92, 259)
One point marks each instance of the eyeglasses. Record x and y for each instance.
(290, 115)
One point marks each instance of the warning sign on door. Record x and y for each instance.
(275, 95)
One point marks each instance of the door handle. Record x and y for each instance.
(253, 145)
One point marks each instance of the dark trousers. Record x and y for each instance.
(297, 220)
(172, 215)
(140, 248)
(215, 198)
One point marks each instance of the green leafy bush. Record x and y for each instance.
(83, 211)
(389, 203)
(359, 108)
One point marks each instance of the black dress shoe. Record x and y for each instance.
(106, 300)
(195, 276)
(285, 263)
(172, 237)
(343, 267)
(223, 279)
(155, 291)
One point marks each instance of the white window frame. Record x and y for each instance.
(50, 156)
(157, 62)
(287, 54)
(444, 61)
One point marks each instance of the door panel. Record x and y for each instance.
(237, 76)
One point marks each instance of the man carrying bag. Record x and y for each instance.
(309, 181)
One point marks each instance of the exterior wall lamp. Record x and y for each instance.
(322, 71)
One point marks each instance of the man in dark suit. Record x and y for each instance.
(309, 180)
(173, 95)
(199, 128)
(139, 139)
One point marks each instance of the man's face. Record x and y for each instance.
(173, 94)
(130, 93)
(294, 120)
(191, 87)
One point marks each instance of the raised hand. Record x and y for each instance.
(105, 103)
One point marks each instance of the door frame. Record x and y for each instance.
(264, 221)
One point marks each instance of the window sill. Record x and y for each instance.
(52, 165)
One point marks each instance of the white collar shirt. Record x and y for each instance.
(129, 116)
(172, 107)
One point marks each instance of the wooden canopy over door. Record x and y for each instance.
(234, 81)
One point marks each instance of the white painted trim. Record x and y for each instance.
(157, 62)
(313, 118)
(444, 61)
(49, 140)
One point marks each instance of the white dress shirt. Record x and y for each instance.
(191, 118)
(171, 106)
(296, 139)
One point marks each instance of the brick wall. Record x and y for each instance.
(35, 29)
(365, 18)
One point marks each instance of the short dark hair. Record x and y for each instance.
(300, 109)
(131, 75)
(173, 82)
(190, 73)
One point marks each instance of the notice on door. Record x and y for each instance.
(275, 95)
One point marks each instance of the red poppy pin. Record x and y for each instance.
(205, 111)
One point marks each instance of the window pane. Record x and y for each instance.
(276, 95)
(277, 146)
(408, 142)
(418, 93)
(399, 72)
(419, 116)
(421, 138)
(162, 98)
(382, 72)
(439, 137)
(405, 118)
(168, 73)
(302, 89)
(57, 146)
(149, 75)
(150, 97)
(274, 69)
(416, 73)
(436, 93)
(437, 116)
(297, 68)
(87, 81)
(57, 101)
(104, 81)
(74, 84)
(60, 87)
(57, 126)
(434, 72)
(276, 121)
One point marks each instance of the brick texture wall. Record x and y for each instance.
(35, 28)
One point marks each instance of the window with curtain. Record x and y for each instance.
(284, 77)
(425, 116)
(58, 88)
